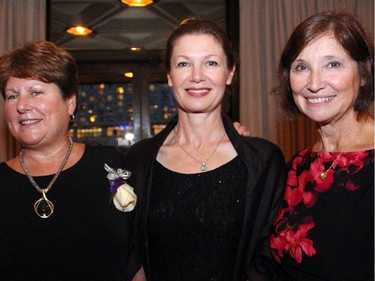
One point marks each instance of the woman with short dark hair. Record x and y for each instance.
(325, 229)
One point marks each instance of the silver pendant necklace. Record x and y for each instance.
(203, 164)
(44, 207)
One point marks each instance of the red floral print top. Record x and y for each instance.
(321, 219)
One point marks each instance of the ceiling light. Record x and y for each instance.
(79, 30)
(137, 3)
(135, 49)
(129, 74)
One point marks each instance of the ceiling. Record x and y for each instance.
(119, 27)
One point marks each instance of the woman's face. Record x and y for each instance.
(35, 111)
(199, 73)
(325, 81)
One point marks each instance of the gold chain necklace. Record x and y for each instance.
(324, 173)
(203, 164)
(44, 207)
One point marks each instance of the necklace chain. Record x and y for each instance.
(324, 173)
(44, 207)
(203, 164)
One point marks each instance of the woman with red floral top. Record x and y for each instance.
(325, 229)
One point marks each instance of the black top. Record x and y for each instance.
(86, 238)
(325, 230)
(264, 185)
(195, 223)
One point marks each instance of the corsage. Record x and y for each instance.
(123, 195)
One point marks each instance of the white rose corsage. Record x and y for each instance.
(123, 194)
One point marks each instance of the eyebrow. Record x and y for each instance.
(11, 90)
(205, 57)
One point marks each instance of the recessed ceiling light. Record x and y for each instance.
(79, 30)
(137, 3)
(135, 49)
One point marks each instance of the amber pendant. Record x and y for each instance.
(43, 207)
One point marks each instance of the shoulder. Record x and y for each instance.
(261, 144)
(254, 143)
(148, 148)
(142, 154)
(252, 148)
(143, 148)
(302, 159)
(6, 170)
(262, 149)
(148, 144)
(102, 150)
(101, 154)
(300, 155)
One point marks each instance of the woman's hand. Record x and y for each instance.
(242, 130)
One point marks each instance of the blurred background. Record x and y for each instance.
(123, 92)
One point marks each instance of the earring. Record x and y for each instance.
(71, 118)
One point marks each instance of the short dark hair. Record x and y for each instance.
(43, 61)
(350, 34)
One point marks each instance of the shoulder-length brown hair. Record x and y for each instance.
(350, 34)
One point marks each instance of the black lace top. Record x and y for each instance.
(195, 223)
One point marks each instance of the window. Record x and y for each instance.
(106, 116)
(162, 106)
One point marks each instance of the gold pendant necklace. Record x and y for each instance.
(324, 173)
(44, 207)
(203, 164)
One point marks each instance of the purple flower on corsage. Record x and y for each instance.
(123, 194)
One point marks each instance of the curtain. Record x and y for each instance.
(265, 26)
(20, 21)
